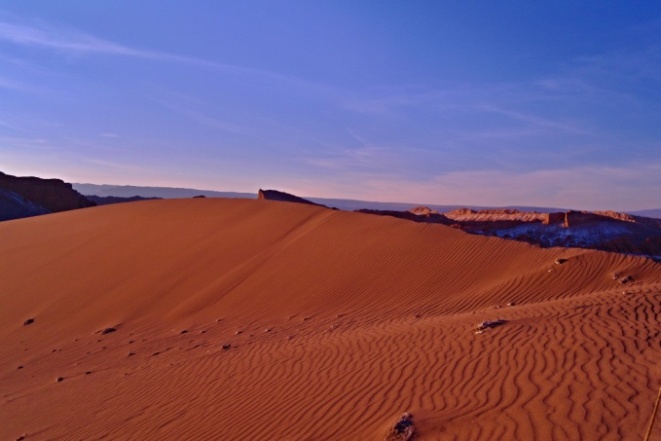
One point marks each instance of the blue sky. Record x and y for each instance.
(547, 103)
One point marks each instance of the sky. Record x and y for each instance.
(545, 103)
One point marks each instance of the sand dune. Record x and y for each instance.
(335, 323)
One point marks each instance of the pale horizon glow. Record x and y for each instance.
(548, 104)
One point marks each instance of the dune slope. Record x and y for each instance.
(332, 323)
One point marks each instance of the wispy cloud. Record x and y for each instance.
(389, 102)
(363, 157)
(73, 42)
(536, 121)
(581, 97)
(6, 83)
(189, 109)
(119, 167)
(617, 79)
(69, 41)
(26, 143)
(640, 65)
(11, 126)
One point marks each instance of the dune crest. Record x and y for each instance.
(257, 320)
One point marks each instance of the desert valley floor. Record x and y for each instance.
(259, 320)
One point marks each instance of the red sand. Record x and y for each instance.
(338, 323)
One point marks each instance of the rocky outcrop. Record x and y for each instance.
(605, 230)
(578, 218)
(52, 194)
(423, 211)
(107, 200)
(574, 218)
(494, 214)
(275, 195)
(554, 219)
(426, 216)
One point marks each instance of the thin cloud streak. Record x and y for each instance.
(74, 42)
(9, 84)
(535, 120)
(204, 120)
(11, 126)
(71, 42)
(22, 143)
(365, 157)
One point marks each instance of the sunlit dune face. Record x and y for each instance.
(246, 319)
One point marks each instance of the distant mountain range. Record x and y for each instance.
(656, 213)
(127, 191)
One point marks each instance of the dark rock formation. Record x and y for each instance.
(107, 200)
(489, 324)
(275, 195)
(53, 194)
(419, 214)
(402, 430)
